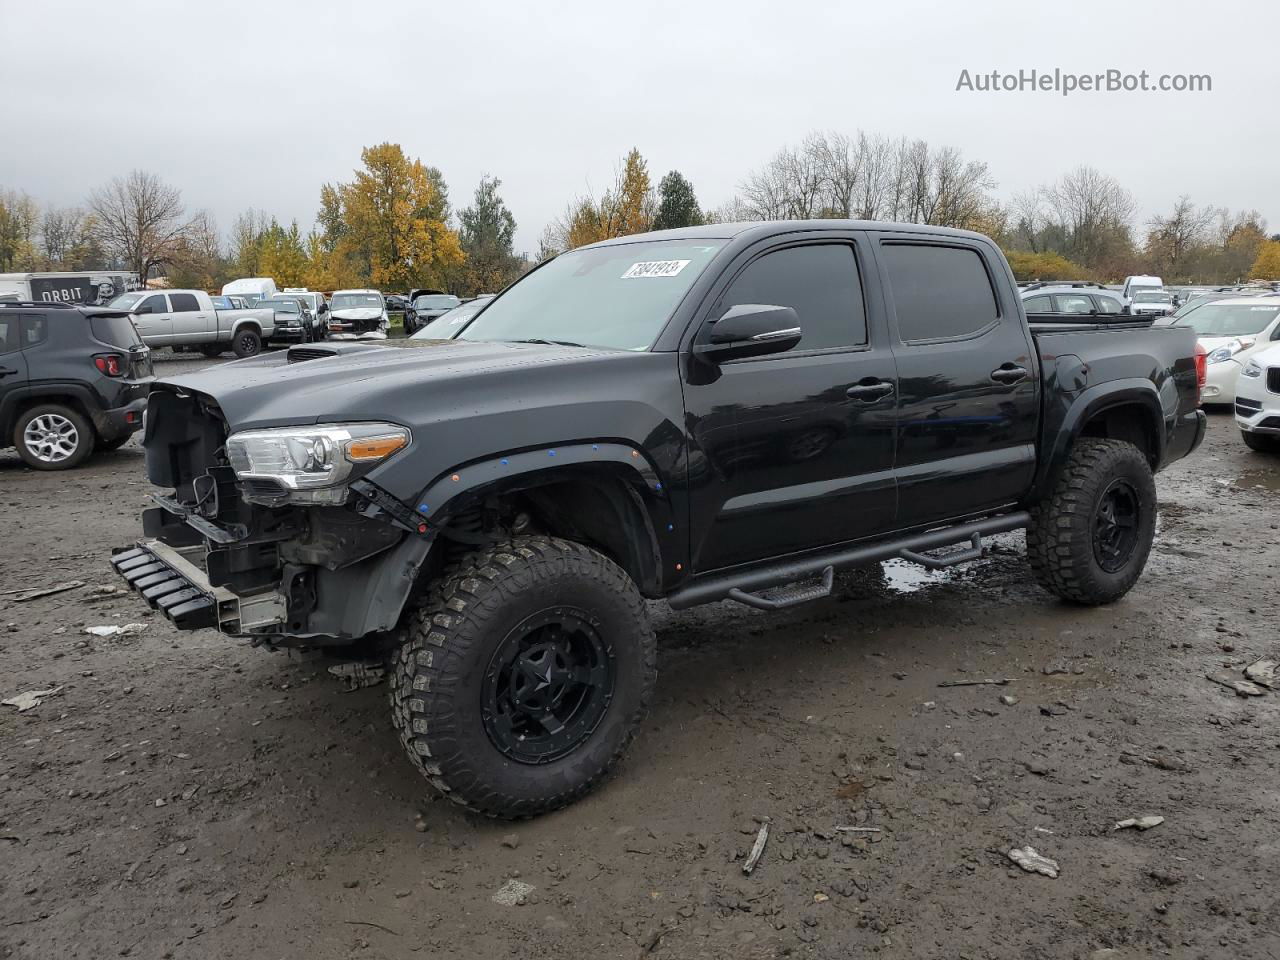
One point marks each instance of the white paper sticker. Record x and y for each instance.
(655, 268)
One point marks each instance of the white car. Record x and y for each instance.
(1258, 400)
(358, 315)
(1231, 332)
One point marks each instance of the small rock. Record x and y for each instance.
(1058, 666)
(513, 893)
(511, 841)
(1038, 767)
(1032, 862)
(401, 894)
(914, 765)
(351, 884)
(1008, 699)
(1142, 823)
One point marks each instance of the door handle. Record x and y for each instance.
(5, 371)
(868, 390)
(1009, 373)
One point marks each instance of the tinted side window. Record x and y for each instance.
(1107, 305)
(820, 282)
(9, 339)
(156, 304)
(938, 291)
(1037, 305)
(35, 328)
(184, 303)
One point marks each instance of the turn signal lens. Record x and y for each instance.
(374, 448)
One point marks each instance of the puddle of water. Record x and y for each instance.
(905, 577)
(1259, 479)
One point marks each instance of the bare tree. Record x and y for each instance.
(63, 235)
(1171, 239)
(139, 219)
(1093, 212)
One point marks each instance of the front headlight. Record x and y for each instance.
(313, 464)
(1251, 369)
(1228, 350)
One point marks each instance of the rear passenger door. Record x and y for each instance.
(968, 375)
(191, 322)
(154, 321)
(794, 450)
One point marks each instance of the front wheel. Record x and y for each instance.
(1089, 539)
(1261, 442)
(525, 677)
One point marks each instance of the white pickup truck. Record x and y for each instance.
(188, 318)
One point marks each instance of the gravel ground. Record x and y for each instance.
(184, 796)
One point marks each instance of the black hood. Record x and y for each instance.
(360, 380)
(462, 399)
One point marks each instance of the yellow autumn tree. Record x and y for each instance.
(393, 228)
(627, 208)
(1267, 265)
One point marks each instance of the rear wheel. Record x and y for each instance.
(1261, 442)
(1089, 539)
(525, 677)
(246, 343)
(53, 437)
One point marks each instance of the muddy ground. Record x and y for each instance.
(185, 796)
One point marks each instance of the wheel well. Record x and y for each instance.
(597, 508)
(250, 325)
(1130, 422)
(67, 400)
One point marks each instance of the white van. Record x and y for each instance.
(252, 289)
(1140, 282)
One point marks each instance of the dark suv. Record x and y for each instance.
(72, 379)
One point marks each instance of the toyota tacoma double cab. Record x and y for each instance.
(727, 412)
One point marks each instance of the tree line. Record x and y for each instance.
(392, 225)
(1083, 225)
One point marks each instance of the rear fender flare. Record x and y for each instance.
(1089, 403)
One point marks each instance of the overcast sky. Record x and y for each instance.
(256, 104)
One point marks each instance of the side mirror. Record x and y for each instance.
(748, 330)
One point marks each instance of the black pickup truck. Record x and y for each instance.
(722, 412)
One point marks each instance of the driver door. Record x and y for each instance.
(794, 450)
(154, 320)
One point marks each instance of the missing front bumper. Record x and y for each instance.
(170, 582)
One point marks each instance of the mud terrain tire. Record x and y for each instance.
(1089, 539)
(523, 677)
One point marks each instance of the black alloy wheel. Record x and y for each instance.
(548, 685)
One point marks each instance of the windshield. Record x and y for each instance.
(126, 301)
(355, 301)
(1231, 319)
(1151, 296)
(282, 306)
(447, 325)
(435, 302)
(617, 296)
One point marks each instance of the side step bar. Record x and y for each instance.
(742, 585)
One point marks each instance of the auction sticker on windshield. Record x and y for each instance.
(655, 268)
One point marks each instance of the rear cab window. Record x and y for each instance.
(940, 292)
(10, 339)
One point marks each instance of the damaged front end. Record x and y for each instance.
(272, 534)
